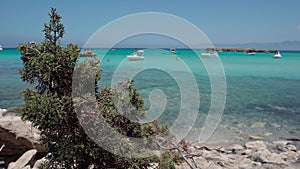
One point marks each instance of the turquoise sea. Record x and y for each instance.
(263, 94)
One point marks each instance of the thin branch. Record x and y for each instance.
(175, 148)
(3, 145)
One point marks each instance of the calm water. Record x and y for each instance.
(263, 94)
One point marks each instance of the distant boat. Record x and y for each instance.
(277, 55)
(173, 50)
(250, 53)
(137, 55)
(210, 54)
(87, 53)
(1, 47)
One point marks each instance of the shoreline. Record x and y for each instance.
(218, 153)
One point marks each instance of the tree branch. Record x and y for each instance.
(175, 148)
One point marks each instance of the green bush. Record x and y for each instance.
(49, 106)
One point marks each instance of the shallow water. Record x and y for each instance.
(263, 94)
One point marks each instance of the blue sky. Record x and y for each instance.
(230, 21)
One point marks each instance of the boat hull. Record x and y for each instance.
(277, 57)
(209, 55)
(135, 58)
(251, 53)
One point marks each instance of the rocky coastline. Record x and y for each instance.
(252, 155)
(17, 137)
(20, 148)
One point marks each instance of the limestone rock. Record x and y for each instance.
(283, 143)
(247, 152)
(215, 156)
(2, 111)
(246, 163)
(202, 163)
(39, 162)
(23, 160)
(295, 165)
(10, 165)
(253, 137)
(253, 155)
(270, 166)
(258, 145)
(18, 136)
(291, 148)
(265, 156)
(215, 166)
(236, 148)
(289, 156)
(27, 167)
(284, 146)
(219, 149)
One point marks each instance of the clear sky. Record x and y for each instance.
(223, 21)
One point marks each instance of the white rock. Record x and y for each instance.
(285, 146)
(10, 165)
(283, 143)
(215, 166)
(220, 149)
(289, 156)
(27, 167)
(39, 162)
(291, 148)
(201, 162)
(247, 152)
(246, 163)
(215, 156)
(253, 137)
(294, 166)
(23, 160)
(272, 166)
(237, 147)
(2, 111)
(258, 145)
(265, 156)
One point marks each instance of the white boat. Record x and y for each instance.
(87, 53)
(173, 50)
(1, 47)
(137, 55)
(210, 54)
(277, 55)
(250, 53)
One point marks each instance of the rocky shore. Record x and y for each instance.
(252, 155)
(20, 149)
(17, 137)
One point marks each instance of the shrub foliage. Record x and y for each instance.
(49, 67)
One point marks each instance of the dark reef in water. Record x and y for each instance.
(242, 50)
